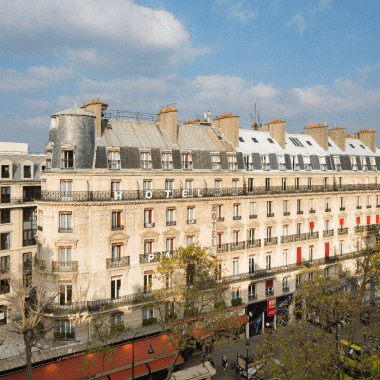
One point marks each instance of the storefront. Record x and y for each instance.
(268, 314)
(65, 368)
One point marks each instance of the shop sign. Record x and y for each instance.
(271, 307)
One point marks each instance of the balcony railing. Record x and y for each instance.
(269, 292)
(113, 164)
(300, 237)
(117, 262)
(327, 209)
(249, 166)
(149, 225)
(285, 289)
(236, 217)
(65, 266)
(221, 219)
(150, 257)
(287, 239)
(252, 297)
(372, 227)
(328, 233)
(232, 165)
(360, 228)
(222, 247)
(342, 208)
(343, 231)
(215, 166)
(117, 228)
(312, 235)
(191, 221)
(299, 212)
(253, 216)
(171, 223)
(28, 242)
(312, 211)
(254, 243)
(167, 165)
(65, 230)
(270, 241)
(146, 164)
(358, 207)
(67, 163)
(237, 246)
(369, 206)
(270, 214)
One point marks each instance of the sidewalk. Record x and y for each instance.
(231, 352)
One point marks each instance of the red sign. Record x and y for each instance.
(271, 307)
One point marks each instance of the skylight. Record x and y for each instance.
(330, 145)
(309, 143)
(351, 146)
(241, 139)
(362, 146)
(254, 139)
(271, 141)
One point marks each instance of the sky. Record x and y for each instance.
(303, 61)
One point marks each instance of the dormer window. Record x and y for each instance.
(215, 160)
(49, 158)
(27, 172)
(67, 159)
(337, 164)
(187, 162)
(363, 161)
(5, 171)
(373, 163)
(323, 163)
(265, 162)
(167, 161)
(353, 163)
(248, 164)
(113, 159)
(281, 163)
(232, 163)
(295, 164)
(146, 160)
(307, 162)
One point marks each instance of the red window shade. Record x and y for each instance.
(118, 217)
(148, 271)
(327, 250)
(298, 255)
(358, 220)
(236, 258)
(269, 284)
(341, 222)
(368, 219)
(377, 218)
(312, 225)
(120, 243)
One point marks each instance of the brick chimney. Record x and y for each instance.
(277, 130)
(368, 138)
(168, 120)
(320, 133)
(229, 124)
(96, 107)
(338, 135)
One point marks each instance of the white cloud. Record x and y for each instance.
(369, 69)
(324, 3)
(237, 10)
(54, 74)
(14, 81)
(118, 36)
(299, 22)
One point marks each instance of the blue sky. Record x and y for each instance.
(304, 61)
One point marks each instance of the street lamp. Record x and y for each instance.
(247, 345)
(150, 352)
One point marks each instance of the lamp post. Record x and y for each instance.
(247, 345)
(150, 352)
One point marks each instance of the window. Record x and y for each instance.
(237, 215)
(327, 204)
(241, 139)
(170, 216)
(29, 226)
(311, 227)
(167, 161)
(189, 240)
(65, 293)
(187, 162)
(299, 226)
(169, 187)
(67, 159)
(307, 163)
(269, 209)
(299, 206)
(341, 204)
(116, 220)
(340, 182)
(309, 143)
(309, 183)
(325, 182)
(323, 163)
(269, 288)
(327, 273)
(251, 235)
(146, 160)
(285, 205)
(116, 252)
(251, 292)
(269, 233)
(354, 163)
(65, 221)
(116, 287)
(5, 194)
(268, 261)
(219, 240)
(148, 217)
(64, 256)
(232, 162)
(66, 190)
(337, 165)
(252, 209)
(265, 162)
(327, 225)
(295, 165)
(148, 312)
(235, 266)
(170, 244)
(285, 258)
(267, 184)
(5, 216)
(358, 202)
(5, 264)
(285, 284)
(281, 163)
(311, 253)
(113, 159)
(190, 274)
(235, 187)
(377, 201)
(341, 248)
(116, 319)
(220, 213)
(248, 164)
(235, 237)
(283, 182)
(190, 214)
(251, 265)
(311, 276)
(298, 281)
(285, 230)
(297, 183)
(218, 187)
(49, 158)
(148, 278)
(3, 313)
(5, 172)
(363, 161)
(64, 330)
(4, 286)
(5, 242)
(189, 184)
(116, 190)
(148, 246)
(368, 201)
(215, 161)
(251, 184)
(235, 293)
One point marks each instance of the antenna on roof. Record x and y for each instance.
(75, 104)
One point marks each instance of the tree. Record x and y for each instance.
(99, 348)
(325, 311)
(189, 299)
(29, 298)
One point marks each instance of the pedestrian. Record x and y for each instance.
(372, 303)
(224, 361)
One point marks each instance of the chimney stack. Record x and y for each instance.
(320, 133)
(96, 107)
(277, 130)
(368, 138)
(168, 120)
(229, 124)
(338, 135)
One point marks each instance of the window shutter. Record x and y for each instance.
(298, 255)
(327, 250)
(377, 218)
(312, 225)
(341, 222)
(358, 220)
(269, 284)
(368, 219)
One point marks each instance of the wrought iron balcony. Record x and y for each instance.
(222, 247)
(146, 164)
(253, 216)
(372, 227)
(328, 233)
(342, 208)
(300, 237)
(113, 164)
(221, 219)
(150, 257)
(286, 213)
(269, 292)
(312, 235)
(28, 242)
(236, 217)
(327, 209)
(343, 231)
(254, 243)
(65, 266)
(369, 206)
(117, 228)
(359, 207)
(237, 246)
(252, 297)
(191, 221)
(270, 214)
(167, 165)
(299, 212)
(285, 289)
(270, 241)
(65, 230)
(232, 165)
(117, 262)
(312, 211)
(149, 225)
(287, 239)
(360, 228)
(171, 223)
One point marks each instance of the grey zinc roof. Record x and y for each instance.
(263, 145)
(17, 161)
(357, 149)
(132, 133)
(306, 149)
(75, 111)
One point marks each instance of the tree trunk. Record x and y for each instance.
(28, 353)
(171, 369)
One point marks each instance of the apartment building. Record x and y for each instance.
(20, 175)
(118, 194)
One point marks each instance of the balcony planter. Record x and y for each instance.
(149, 321)
(220, 305)
(236, 301)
